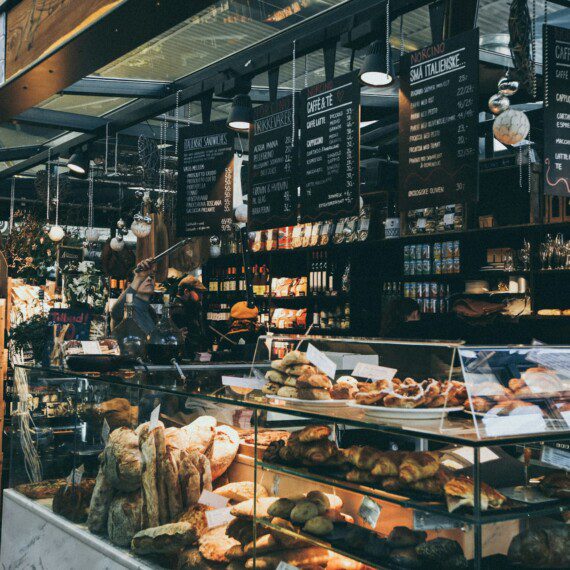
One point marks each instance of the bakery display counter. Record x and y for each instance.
(382, 455)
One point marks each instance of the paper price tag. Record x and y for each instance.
(155, 414)
(105, 431)
(275, 485)
(284, 566)
(213, 500)
(363, 370)
(525, 423)
(429, 521)
(557, 457)
(218, 517)
(74, 478)
(422, 223)
(90, 347)
(566, 416)
(448, 219)
(369, 511)
(321, 361)
(238, 382)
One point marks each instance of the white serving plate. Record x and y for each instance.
(404, 413)
(311, 404)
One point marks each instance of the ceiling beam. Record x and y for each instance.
(18, 152)
(60, 120)
(113, 87)
(309, 35)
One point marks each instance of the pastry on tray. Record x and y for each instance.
(460, 491)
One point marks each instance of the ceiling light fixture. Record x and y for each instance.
(241, 114)
(377, 69)
(78, 164)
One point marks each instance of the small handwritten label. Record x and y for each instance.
(219, 517)
(448, 219)
(74, 478)
(369, 511)
(90, 347)
(373, 372)
(557, 457)
(213, 500)
(105, 431)
(422, 223)
(155, 414)
(238, 382)
(275, 485)
(321, 361)
(429, 521)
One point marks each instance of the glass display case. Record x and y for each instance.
(357, 451)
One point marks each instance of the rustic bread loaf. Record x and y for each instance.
(125, 517)
(165, 539)
(122, 460)
(224, 450)
(100, 502)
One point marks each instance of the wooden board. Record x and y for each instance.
(36, 28)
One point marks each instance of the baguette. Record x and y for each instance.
(100, 503)
(161, 467)
(151, 516)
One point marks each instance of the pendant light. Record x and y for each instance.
(241, 114)
(78, 164)
(377, 69)
(56, 232)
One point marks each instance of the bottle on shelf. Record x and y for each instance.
(165, 341)
(131, 337)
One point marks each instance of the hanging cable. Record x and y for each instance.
(106, 148)
(388, 34)
(402, 35)
(176, 117)
(12, 202)
(293, 88)
(57, 195)
(116, 152)
(90, 214)
(48, 191)
(306, 74)
(545, 55)
(533, 32)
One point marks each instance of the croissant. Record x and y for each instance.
(388, 464)
(363, 457)
(317, 452)
(459, 491)
(310, 433)
(391, 484)
(360, 476)
(419, 465)
(432, 486)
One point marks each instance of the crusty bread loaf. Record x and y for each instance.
(301, 558)
(200, 433)
(100, 502)
(124, 518)
(224, 450)
(151, 516)
(215, 543)
(72, 501)
(241, 491)
(164, 539)
(122, 460)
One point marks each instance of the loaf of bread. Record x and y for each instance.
(215, 543)
(100, 503)
(42, 489)
(150, 514)
(224, 450)
(165, 539)
(304, 557)
(200, 433)
(122, 460)
(72, 501)
(125, 518)
(542, 548)
(241, 491)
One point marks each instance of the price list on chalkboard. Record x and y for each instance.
(273, 191)
(329, 148)
(439, 136)
(557, 111)
(205, 180)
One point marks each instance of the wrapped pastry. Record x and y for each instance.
(459, 491)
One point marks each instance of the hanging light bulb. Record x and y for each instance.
(511, 127)
(141, 226)
(56, 233)
(241, 213)
(215, 251)
(508, 86)
(241, 114)
(498, 103)
(377, 69)
(78, 163)
(117, 243)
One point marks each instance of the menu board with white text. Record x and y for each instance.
(329, 148)
(439, 125)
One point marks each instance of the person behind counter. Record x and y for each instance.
(187, 314)
(142, 288)
(244, 331)
(396, 319)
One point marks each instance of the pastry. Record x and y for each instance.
(370, 398)
(310, 433)
(291, 381)
(402, 536)
(541, 548)
(320, 499)
(124, 518)
(300, 558)
(215, 543)
(241, 491)
(264, 438)
(316, 453)
(245, 509)
(271, 389)
(360, 476)
(281, 508)
(345, 388)
(224, 450)
(275, 376)
(100, 503)
(363, 457)
(459, 491)
(165, 539)
(302, 370)
(314, 381)
(190, 479)
(388, 463)
(288, 392)
(294, 357)
(200, 433)
(72, 501)
(303, 511)
(122, 460)
(313, 394)
(405, 558)
(556, 484)
(419, 465)
(150, 516)
(42, 489)
(278, 365)
(320, 526)
(263, 544)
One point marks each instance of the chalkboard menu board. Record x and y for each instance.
(557, 111)
(329, 148)
(273, 190)
(205, 180)
(69, 258)
(439, 134)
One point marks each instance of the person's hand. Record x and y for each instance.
(142, 271)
